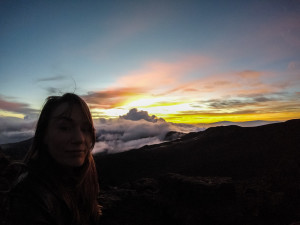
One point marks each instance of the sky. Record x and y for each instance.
(187, 62)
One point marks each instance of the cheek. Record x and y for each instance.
(56, 144)
(89, 142)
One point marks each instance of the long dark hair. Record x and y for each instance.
(83, 200)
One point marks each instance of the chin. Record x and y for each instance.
(74, 162)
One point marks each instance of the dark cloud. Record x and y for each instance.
(247, 111)
(239, 103)
(54, 78)
(52, 90)
(220, 104)
(135, 115)
(57, 85)
(262, 99)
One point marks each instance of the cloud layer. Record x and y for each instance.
(16, 107)
(134, 130)
(15, 129)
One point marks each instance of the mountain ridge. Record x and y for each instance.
(223, 175)
(214, 138)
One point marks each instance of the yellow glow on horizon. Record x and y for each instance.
(185, 111)
(212, 118)
(11, 114)
(116, 112)
(142, 102)
(164, 110)
(175, 112)
(108, 113)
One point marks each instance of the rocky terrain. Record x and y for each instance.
(223, 175)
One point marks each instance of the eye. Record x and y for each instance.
(86, 129)
(64, 126)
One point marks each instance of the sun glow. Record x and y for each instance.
(192, 111)
(164, 110)
(11, 114)
(142, 102)
(219, 117)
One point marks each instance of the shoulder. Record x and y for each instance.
(32, 200)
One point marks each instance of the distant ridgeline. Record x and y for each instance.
(16, 151)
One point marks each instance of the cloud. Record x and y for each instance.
(134, 130)
(57, 85)
(234, 103)
(16, 107)
(130, 131)
(249, 74)
(153, 79)
(54, 78)
(238, 83)
(135, 115)
(163, 74)
(15, 129)
(110, 98)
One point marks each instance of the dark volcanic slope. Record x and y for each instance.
(222, 176)
(233, 151)
(16, 151)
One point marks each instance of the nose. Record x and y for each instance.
(78, 136)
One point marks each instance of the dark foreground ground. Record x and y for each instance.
(224, 175)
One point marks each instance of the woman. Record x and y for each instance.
(61, 186)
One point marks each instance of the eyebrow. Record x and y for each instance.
(68, 119)
(63, 118)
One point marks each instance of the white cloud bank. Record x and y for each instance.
(131, 131)
(134, 130)
(14, 129)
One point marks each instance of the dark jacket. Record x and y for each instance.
(36, 201)
(33, 201)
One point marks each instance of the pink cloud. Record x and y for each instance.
(10, 106)
(169, 78)
(236, 83)
(249, 74)
(15, 107)
(110, 98)
(155, 78)
(163, 74)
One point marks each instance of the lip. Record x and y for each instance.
(75, 152)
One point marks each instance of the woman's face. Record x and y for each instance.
(68, 137)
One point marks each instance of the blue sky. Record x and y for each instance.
(185, 61)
